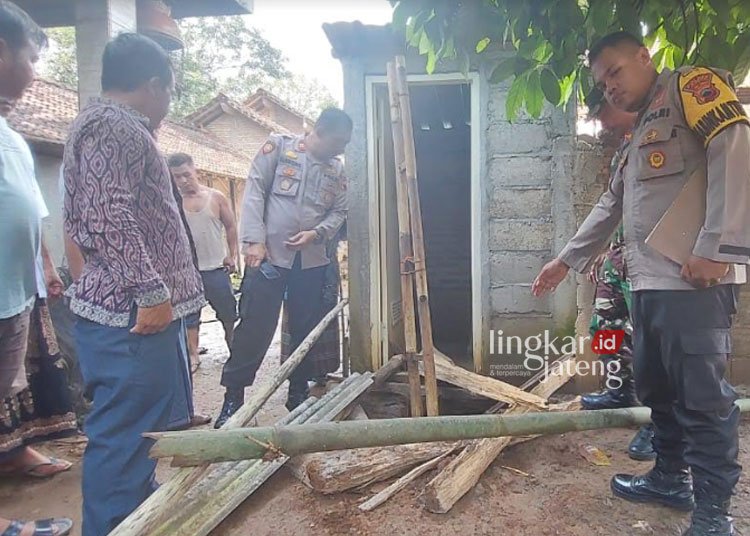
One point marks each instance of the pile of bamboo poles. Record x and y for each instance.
(411, 245)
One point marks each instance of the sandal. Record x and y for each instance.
(59, 526)
(34, 470)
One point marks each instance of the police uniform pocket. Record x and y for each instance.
(706, 352)
(659, 153)
(327, 191)
(287, 181)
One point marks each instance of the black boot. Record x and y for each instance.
(298, 393)
(233, 400)
(640, 447)
(711, 515)
(624, 397)
(668, 484)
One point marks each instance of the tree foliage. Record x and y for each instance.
(60, 62)
(222, 54)
(540, 45)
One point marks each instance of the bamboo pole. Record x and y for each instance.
(405, 247)
(200, 446)
(224, 495)
(148, 514)
(420, 264)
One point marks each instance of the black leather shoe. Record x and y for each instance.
(640, 447)
(668, 484)
(710, 517)
(609, 399)
(233, 400)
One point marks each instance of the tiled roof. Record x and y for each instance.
(46, 110)
(215, 107)
(261, 93)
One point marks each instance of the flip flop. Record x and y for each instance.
(59, 526)
(33, 470)
(193, 369)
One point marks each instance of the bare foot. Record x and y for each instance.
(33, 463)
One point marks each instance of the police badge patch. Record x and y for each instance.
(656, 159)
(710, 104)
(268, 147)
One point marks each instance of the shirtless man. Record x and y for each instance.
(209, 216)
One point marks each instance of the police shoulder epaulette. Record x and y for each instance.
(709, 103)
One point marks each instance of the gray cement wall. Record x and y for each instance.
(526, 173)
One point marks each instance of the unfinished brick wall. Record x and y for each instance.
(239, 133)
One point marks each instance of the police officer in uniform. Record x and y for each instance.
(294, 203)
(687, 119)
(612, 296)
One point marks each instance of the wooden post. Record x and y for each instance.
(405, 248)
(420, 266)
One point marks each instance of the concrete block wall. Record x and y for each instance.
(529, 216)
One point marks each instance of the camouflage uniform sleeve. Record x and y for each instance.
(335, 217)
(712, 110)
(257, 186)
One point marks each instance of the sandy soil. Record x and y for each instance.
(563, 494)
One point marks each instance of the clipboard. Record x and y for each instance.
(675, 233)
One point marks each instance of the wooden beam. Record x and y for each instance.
(465, 470)
(485, 385)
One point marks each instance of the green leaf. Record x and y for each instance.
(550, 86)
(534, 96)
(658, 58)
(431, 62)
(722, 10)
(504, 70)
(515, 97)
(424, 44)
(482, 44)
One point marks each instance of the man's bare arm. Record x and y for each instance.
(226, 215)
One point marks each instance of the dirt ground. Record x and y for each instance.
(563, 493)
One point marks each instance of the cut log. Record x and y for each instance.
(342, 470)
(385, 494)
(465, 470)
(484, 385)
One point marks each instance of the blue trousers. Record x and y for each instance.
(132, 380)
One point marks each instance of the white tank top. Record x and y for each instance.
(208, 236)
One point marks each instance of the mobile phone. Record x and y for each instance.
(269, 271)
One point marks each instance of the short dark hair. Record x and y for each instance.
(177, 159)
(333, 120)
(130, 60)
(17, 28)
(612, 40)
